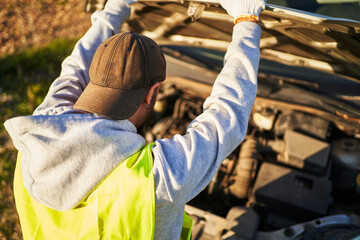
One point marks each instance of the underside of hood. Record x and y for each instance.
(289, 36)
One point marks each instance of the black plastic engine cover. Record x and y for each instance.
(290, 192)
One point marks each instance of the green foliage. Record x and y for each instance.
(25, 78)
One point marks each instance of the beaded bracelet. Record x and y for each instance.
(242, 18)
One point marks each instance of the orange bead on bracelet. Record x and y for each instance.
(251, 18)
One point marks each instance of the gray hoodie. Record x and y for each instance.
(65, 153)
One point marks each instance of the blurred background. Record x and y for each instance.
(35, 37)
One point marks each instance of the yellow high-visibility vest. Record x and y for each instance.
(122, 206)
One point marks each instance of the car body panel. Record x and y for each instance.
(309, 51)
(289, 36)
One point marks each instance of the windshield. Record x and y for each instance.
(349, 9)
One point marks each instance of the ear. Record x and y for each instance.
(152, 93)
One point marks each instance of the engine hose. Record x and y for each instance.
(245, 168)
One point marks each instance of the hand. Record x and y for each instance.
(113, 4)
(130, 1)
(236, 8)
(116, 6)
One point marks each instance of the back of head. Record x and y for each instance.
(122, 70)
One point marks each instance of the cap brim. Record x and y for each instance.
(112, 103)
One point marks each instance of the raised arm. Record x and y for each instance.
(184, 165)
(74, 76)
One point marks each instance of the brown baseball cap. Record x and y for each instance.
(121, 72)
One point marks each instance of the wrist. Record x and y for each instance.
(246, 18)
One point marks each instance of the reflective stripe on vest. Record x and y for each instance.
(125, 210)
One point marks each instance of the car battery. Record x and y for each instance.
(290, 192)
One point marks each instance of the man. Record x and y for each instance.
(68, 153)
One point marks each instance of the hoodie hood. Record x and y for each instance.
(60, 153)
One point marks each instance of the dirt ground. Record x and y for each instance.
(27, 23)
(24, 24)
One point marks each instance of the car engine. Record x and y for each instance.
(296, 175)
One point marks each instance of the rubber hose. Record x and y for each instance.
(246, 168)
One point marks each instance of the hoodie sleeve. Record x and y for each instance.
(74, 76)
(184, 165)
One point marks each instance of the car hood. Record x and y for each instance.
(291, 37)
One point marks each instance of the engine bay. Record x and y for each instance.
(296, 175)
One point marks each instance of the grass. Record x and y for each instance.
(25, 78)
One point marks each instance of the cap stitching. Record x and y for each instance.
(111, 58)
(142, 47)
(120, 88)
